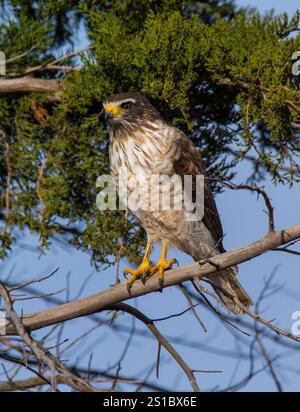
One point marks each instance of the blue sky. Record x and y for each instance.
(244, 221)
(279, 6)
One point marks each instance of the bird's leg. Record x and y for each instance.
(162, 264)
(143, 270)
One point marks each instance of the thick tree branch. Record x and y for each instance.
(28, 84)
(119, 293)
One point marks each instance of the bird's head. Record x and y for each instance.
(129, 109)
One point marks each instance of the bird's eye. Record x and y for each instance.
(127, 105)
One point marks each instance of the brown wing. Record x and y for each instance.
(189, 162)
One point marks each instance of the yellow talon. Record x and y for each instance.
(161, 266)
(142, 271)
(145, 269)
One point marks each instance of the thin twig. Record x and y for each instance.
(253, 188)
(149, 323)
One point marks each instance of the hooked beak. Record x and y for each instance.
(107, 115)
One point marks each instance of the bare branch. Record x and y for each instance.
(149, 323)
(252, 188)
(119, 293)
(268, 324)
(28, 84)
(53, 63)
(42, 354)
(192, 306)
(24, 54)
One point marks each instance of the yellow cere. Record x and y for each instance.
(113, 109)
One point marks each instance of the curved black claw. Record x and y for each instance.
(129, 285)
(161, 284)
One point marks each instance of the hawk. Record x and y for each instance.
(143, 143)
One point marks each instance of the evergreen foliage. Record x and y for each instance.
(223, 75)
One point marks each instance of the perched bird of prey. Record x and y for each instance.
(142, 143)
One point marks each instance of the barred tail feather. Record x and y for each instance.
(229, 289)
